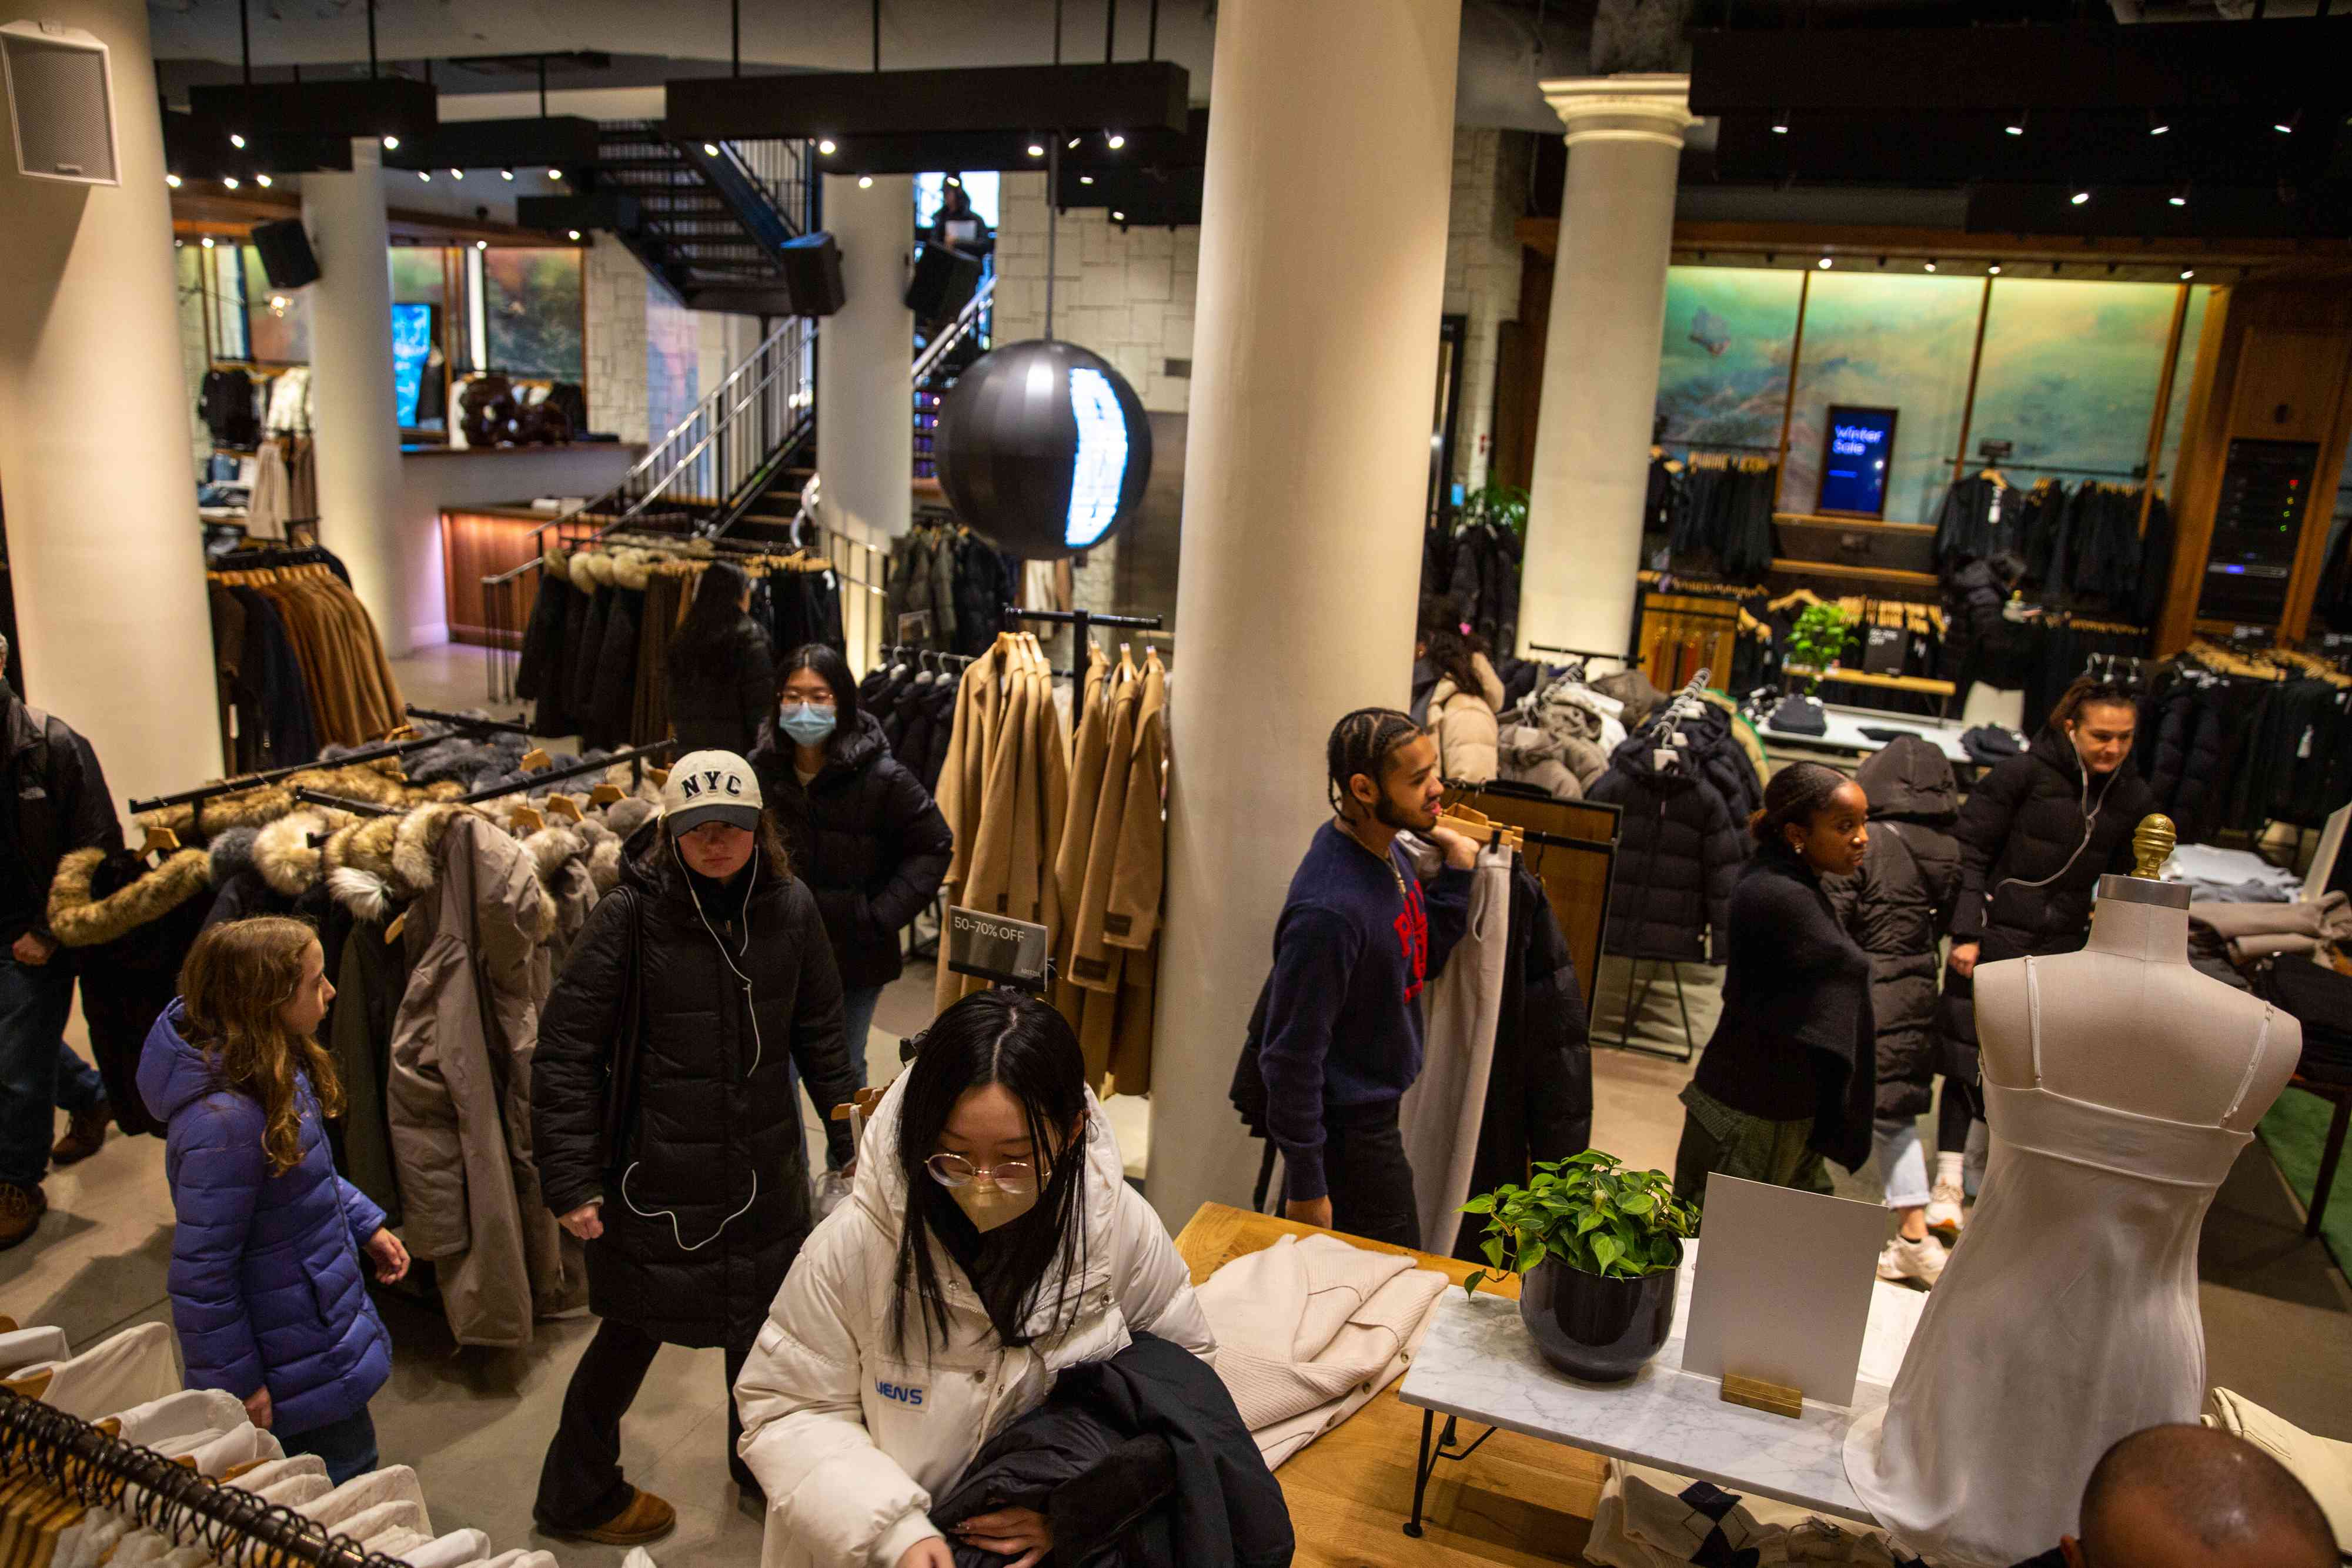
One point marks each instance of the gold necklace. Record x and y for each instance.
(1388, 861)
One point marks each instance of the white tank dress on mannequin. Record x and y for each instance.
(2068, 1318)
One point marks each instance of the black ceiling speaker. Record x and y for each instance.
(942, 283)
(286, 253)
(812, 266)
(1043, 449)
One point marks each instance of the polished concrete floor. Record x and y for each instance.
(474, 1423)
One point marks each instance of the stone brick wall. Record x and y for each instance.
(1126, 295)
(1482, 275)
(616, 296)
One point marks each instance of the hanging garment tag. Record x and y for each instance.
(1665, 760)
(399, 924)
(2303, 747)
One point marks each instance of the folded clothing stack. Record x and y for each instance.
(2231, 876)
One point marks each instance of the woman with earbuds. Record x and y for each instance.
(666, 1120)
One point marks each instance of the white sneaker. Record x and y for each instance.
(1947, 1211)
(1920, 1263)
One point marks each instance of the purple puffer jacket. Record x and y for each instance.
(267, 1279)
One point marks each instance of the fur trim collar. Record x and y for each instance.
(632, 568)
(587, 570)
(284, 854)
(367, 896)
(552, 848)
(251, 810)
(81, 922)
(232, 852)
(416, 845)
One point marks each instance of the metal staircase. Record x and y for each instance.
(709, 220)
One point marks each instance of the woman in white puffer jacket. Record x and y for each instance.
(989, 1242)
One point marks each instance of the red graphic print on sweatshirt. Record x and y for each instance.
(1413, 940)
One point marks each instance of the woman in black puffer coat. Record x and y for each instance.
(1896, 906)
(2036, 835)
(695, 1215)
(860, 826)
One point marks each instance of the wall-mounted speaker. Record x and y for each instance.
(813, 274)
(942, 283)
(61, 101)
(286, 253)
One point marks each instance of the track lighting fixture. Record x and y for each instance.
(1823, 264)
(1118, 217)
(2288, 126)
(237, 141)
(1072, 143)
(574, 233)
(1114, 141)
(865, 181)
(826, 146)
(262, 181)
(1994, 271)
(1931, 266)
(2187, 273)
(1037, 150)
(2080, 197)
(953, 181)
(173, 180)
(2178, 198)
(481, 245)
(1780, 123)
(1085, 179)
(506, 174)
(710, 149)
(457, 173)
(555, 173)
(179, 245)
(391, 143)
(229, 182)
(208, 242)
(2016, 125)
(425, 176)
(2157, 124)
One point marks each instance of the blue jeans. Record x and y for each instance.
(348, 1445)
(858, 1024)
(38, 1071)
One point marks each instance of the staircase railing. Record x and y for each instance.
(934, 355)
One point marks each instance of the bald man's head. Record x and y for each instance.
(2191, 1497)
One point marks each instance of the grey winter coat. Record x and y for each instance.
(1897, 905)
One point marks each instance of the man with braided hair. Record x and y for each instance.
(1358, 937)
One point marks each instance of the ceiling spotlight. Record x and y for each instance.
(2079, 197)
(208, 242)
(278, 302)
(506, 174)
(953, 181)
(1994, 270)
(1114, 141)
(262, 181)
(2178, 198)
(1085, 179)
(391, 143)
(826, 146)
(2016, 125)
(710, 149)
(1780, 123)
(2187, 273)
(1118, 217)
(2157, 125)
(173, 180)
(865, 181)
(2288, 127)
(237, 141)
(555, 173)
(481, 245)
(1931, 266)
(1823, 264)
(1072, 142)
(574, 233)
(179, 245)
(426, 175)
(1037, 150)
(229, 181)
(457, 173)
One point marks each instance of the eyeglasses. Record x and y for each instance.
(1015, 1177)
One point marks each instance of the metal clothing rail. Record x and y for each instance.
(345, 803)
(1085, 621)
(238, 785)
(76, 1460)
(1625, 658)
(635, 754)
(466, 721)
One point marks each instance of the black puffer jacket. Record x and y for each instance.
(1896, 908)
(721, 703)
(866, 839)
(1141, 1461)
(714, 1135)
(1679, 850)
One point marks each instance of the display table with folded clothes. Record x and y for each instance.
(1849, 729)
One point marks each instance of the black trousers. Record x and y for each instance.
(1370, 1180)
(580, 1485)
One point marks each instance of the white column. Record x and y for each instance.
(395, 571)
(1600, 356)
(1322, 279)
(865, 402)
(97, 476)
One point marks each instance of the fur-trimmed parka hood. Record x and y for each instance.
(289, 854)
(79, 920)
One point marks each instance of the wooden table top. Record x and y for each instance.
(1517, 1500)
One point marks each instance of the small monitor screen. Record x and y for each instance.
(1856, 452)
(412, 343)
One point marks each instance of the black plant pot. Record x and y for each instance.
(1600, 1329)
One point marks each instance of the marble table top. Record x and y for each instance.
(1478, 1362)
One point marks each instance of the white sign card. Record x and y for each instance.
(1782, 1287)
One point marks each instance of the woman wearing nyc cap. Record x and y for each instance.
(665, 1120)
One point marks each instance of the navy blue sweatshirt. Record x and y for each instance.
(1343, 1010)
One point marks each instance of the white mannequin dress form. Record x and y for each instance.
(2120, 1085)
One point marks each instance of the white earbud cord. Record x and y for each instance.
(758, 1049)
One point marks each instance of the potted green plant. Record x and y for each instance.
(1818, 640)
(1505, 506)
(1595, 1247)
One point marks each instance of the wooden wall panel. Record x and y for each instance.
(475, 545)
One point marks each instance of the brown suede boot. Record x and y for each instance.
(85, 1133)
(647, 1517)
(21, 1208)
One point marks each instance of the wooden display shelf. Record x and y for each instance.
(1925, 685)
(1832, 520)
(1855, 573)
(1517, 1500)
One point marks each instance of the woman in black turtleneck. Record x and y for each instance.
(1790, 1073)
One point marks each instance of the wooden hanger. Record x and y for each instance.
(159, 839)
(566, 807)
(528, 821)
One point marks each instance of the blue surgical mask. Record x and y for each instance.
(807, 723)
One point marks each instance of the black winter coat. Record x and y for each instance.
(57, 801)
(712, 1157)
(1141, 1461)
(1679, 851)
(542, 673)
(606, 720)
(722, 706)
(1896, 908)
(866, 839)
(585, 653)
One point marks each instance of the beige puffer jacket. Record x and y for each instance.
(850, 1437)
(1466, 726)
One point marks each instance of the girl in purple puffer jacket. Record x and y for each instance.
(266, 1279)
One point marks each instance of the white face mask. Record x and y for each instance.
(988, 1205)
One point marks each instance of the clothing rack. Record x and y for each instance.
(1767, 447)
(2137, 476)
(1085, 621)
(1626, 658)
(635, 754)
(345, 803)
(78, 1460)
(466, 721)
(238, 785)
